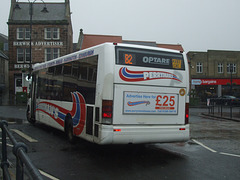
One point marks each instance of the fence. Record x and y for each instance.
(223, 108)
(20, 151)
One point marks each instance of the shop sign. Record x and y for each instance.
(38, 43)
(215, 81)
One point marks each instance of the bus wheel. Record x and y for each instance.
(69, 130)
(29, 118)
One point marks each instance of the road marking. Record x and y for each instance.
(10, 145)
(222, 153)
(228, 154)
(201, 144)
(48, 175)
(28, 138)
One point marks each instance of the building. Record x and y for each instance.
(39, 30)
(89, 40)
(4, 43)
(4, 91)
(214, 73)
(3, 79)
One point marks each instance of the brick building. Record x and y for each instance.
(212, 72)
(51, 37)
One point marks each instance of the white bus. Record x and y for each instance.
(114, 94)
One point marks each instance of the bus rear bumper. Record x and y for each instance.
(143, 134)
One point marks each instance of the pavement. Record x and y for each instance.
(13, 113)
(224, 112)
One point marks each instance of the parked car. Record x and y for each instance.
(227, 100)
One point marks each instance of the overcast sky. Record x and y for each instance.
(198, 25)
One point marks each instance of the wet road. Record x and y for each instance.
(212, 153)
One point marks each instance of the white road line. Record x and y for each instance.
(10, 145)
(201, 144)
(227, 154)
(28, 138)
(48, 175)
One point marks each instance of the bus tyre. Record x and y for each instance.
(29, 118)
(69, 130)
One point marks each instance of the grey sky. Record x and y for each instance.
(196, 24)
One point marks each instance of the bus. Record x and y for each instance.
(114, 93)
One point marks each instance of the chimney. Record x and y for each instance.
(67, 6)
(80, 40)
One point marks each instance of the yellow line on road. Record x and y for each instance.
(10, 145)
(28, 138)
(48, 175)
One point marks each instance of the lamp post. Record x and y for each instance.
(231, 71)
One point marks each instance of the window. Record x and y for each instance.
(56, 53)
(52, 33)
(220, 68)
(27, 55)
(48, 55)
(47, 33)
(23, 55)
(231, 68)
(23, 33)
(55, 33)
(20, 33)
(51, 53)
(20, 55)
(27, 33)
(5, 48)
(199, 67)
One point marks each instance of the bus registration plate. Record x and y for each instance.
(150, 103)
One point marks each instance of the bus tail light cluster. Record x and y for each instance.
(107, 111)
(187, 113)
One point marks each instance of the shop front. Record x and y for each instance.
(211, 88)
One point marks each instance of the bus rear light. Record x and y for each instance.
(182, 129)
(107, 115)
(107, 111)
(187, 113)
(117, 130)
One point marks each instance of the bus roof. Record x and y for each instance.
(90, 52)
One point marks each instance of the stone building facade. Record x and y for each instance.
(49, 37)
(215, 73)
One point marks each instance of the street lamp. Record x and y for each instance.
(231, 71)
(44, 10)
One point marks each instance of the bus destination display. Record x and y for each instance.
(144, 58)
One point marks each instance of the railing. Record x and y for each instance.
(19, 150)
(222, 107)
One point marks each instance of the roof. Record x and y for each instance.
(171, 46)
(56, 12)
(3, 38)
(2, 55)
(89, 40)
(93, 40)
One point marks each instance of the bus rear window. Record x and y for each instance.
(149, 58)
